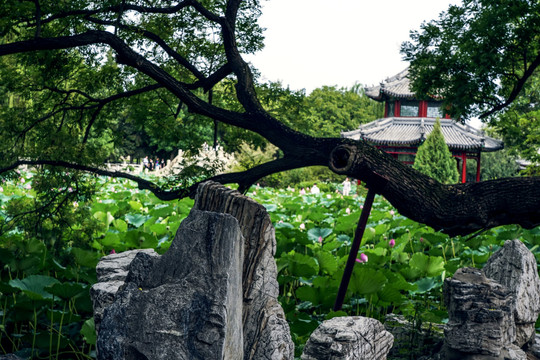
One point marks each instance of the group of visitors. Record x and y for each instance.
(347, 185)
(151, 165)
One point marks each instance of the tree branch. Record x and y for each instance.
(453, 209)
(143, 184)
(518, 86)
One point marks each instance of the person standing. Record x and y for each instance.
(346, 187)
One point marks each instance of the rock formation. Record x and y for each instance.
(266, 331)
(213, 295)
(514, 266)
(481, 319)
(112, 271)
(185, 304)
(492, 312)
(349, 338)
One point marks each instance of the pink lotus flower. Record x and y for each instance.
(1, 189)
(112, 252)
(302, 226)
(348, 211)
(392, 212)
(421, 239)
(28, 186)
(363, 258)
(392, 243)
(320, 239)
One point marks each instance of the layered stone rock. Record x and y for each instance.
(112, 271)
(266, 331)
(514, 266)
(480, 315)
(152, 280)
(185, 304)
(349, 338)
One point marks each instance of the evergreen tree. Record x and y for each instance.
(434, 159)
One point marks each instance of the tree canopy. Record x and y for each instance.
(477, 56)
(71, 67)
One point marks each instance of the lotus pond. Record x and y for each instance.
(47, 268)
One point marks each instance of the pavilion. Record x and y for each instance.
(408, 121)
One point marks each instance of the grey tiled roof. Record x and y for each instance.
(397, 86)
(411, 131)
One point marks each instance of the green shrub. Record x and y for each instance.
(434, 159)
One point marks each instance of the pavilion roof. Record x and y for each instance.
(397, 86)
(398, 131)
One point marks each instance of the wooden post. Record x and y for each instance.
(478, 167)
(355, 246)
(463, 168)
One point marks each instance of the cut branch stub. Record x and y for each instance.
(342, 158)
(345, 159)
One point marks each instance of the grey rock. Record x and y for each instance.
(112, 271)
(10, 357)
(514, 266)
(348, 338)
(266, 331)
(481, 319)
(185, 304)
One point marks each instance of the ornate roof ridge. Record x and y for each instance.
(408, 131)
(397, 86)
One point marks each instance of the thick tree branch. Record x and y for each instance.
(454, 209)
(518, 86)
(158, 40)
(143, 184)
(249, 177)
(256, 120)
(129, 7)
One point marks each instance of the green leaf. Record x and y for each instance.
(391, 295)
(301, 265)
(135, 205)
(308, 293)
(429, 265)
(315, 233)
(366, 280)
(104, 218)
(136, 219)
(158, 229)
(88, 332)
(66, 290)
(327, 262)
(425, 284)
(85, 258)
(120, 225)
(162, 210)
(34, 286)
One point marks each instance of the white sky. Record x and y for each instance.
(311, 43)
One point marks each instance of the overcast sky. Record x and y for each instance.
(311, 43)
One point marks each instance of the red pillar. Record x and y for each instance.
(478, 167)
(463, 168)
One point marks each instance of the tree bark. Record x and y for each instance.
(458, 209)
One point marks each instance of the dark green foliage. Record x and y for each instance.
(434, 159)
(476, 55)
(328, 111)
(494, 165)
